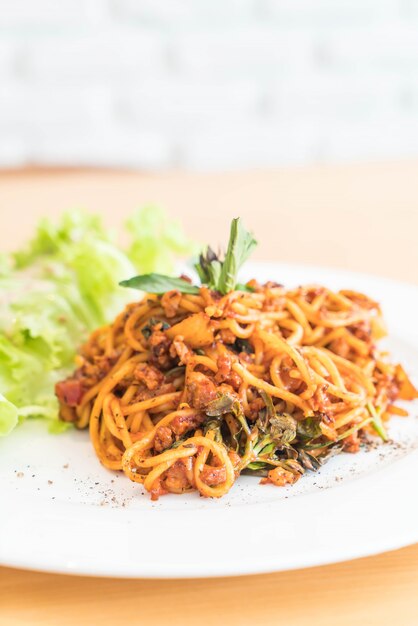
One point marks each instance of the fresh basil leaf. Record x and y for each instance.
(241, 243)
(222, 275)
(214, 274)
(209, 268)
(159, 284)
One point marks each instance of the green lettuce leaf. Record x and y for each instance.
(59, 287)
(155, 240)
(8, 415)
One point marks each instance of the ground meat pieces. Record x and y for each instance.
(246, 358)
(145, 394)
(328, 428)
(351, 443)
(70, 391)
(176, 478)
(160, 345)
(183, 423)
(163, 438)
(213, 476)
(254, 408)
(226, 335)
(200, 390)
(275, 297)
(294, 385)
(272, 284)
(104, 363)
(149, 375)
(67, 414)
(225, 372)
(157, 490)
(224, 364)
(386, 387)
(362, 330)
(180, 350)
(170, 302)
(340, 347)
(311, 293)
(236, 461)
(91, 372)
(280, 477)
(234, 380)
(320, 399)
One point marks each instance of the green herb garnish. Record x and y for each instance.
(222, 275)
(218, 275)
(241, 244)
(159, 284)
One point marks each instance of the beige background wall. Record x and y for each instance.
(359, 217)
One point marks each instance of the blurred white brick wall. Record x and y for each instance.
(207, 84)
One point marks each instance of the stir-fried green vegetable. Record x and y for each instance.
(274, 439)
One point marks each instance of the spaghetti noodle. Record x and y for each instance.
(185, 391)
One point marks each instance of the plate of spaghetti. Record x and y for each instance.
(220, 427)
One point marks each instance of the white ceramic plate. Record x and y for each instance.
(62, 512)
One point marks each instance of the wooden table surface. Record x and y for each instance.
(357, 217)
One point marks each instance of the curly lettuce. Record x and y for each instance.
(59, 287)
